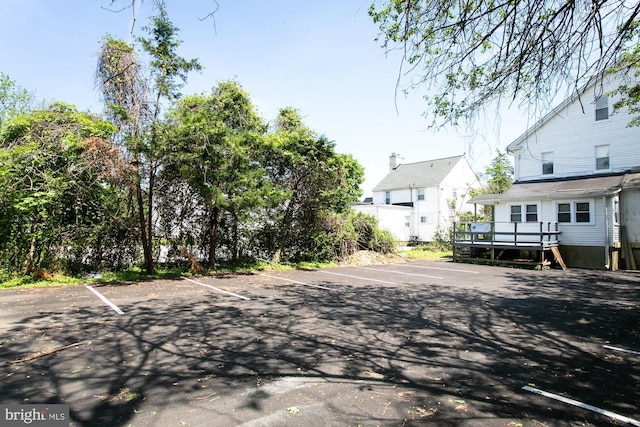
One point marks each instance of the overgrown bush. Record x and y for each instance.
(370, 236)
(341, 235)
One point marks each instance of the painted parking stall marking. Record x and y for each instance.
(358, 277)
(624, 350)
(214, 288)
(610, 414)
(442, 268)
(297, 282)
(399, 272)
(105, 300)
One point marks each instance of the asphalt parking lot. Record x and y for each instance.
(416, 343)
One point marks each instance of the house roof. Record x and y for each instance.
(565, 189)
(420, 174)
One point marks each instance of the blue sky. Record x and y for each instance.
(320, 57)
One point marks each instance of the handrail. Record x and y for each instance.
(486, 232)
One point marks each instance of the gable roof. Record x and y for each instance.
(557, 190)
(428, 173)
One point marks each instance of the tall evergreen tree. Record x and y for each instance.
(135, 103)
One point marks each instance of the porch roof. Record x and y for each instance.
(555, 190)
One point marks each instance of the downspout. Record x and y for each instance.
(438, 221)
(606, 233)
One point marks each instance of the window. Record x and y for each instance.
(387, 197)
(564, 212)
(575, 212)
(454, 194)
(407, 224)
(602, 108)
(547, 163)
(530, 213)
(602, 157)
(516, 213)
(583, 213)
(421, 194)
(423, 219)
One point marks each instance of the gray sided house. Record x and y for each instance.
(577, 185)
(414, 201)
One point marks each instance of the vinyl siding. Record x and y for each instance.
(572, 134)
(592, 234)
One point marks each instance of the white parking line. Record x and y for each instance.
(299, 283)
(441, 268)
(622, 349)
(399, 272)
(214, 288)
(583, 405)
(358, 277)
(105, 300)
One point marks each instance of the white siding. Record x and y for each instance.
(390, 218)
(592, 234)
(435, 208)
(397, 196)
(572, 134)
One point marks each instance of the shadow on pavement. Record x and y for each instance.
(446, 353)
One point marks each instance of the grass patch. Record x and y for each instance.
(426, 252)
(137, 274)
(14, 281)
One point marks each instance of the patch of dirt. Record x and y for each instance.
(371, 258)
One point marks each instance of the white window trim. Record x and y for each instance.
(549, 159)
(572, 206)
(595, 158)
(595, 108)
(523, 212)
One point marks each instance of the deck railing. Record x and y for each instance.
(516, 234)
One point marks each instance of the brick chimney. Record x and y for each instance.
(395, 160)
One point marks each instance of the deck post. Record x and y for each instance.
(541, 235)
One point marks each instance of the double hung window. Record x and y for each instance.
(602, 108)
(530, 213)
(602, 157)
(575, 212)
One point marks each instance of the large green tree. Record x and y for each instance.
(467, 54)
(312, 180)
(213, 145)
(58, 180)
(498, 176)
(134, 102)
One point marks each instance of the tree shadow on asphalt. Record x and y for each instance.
(473, 347)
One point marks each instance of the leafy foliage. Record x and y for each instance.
(630, 92)
(468, 54)
(311, 181)
(203, 176)
(211, 147)
(135, 104)
(58, 191)
(498, 175)
(14, 100)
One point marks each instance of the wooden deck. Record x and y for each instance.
(507, 243)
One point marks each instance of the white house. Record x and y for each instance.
(578, 168)
(416, 200)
